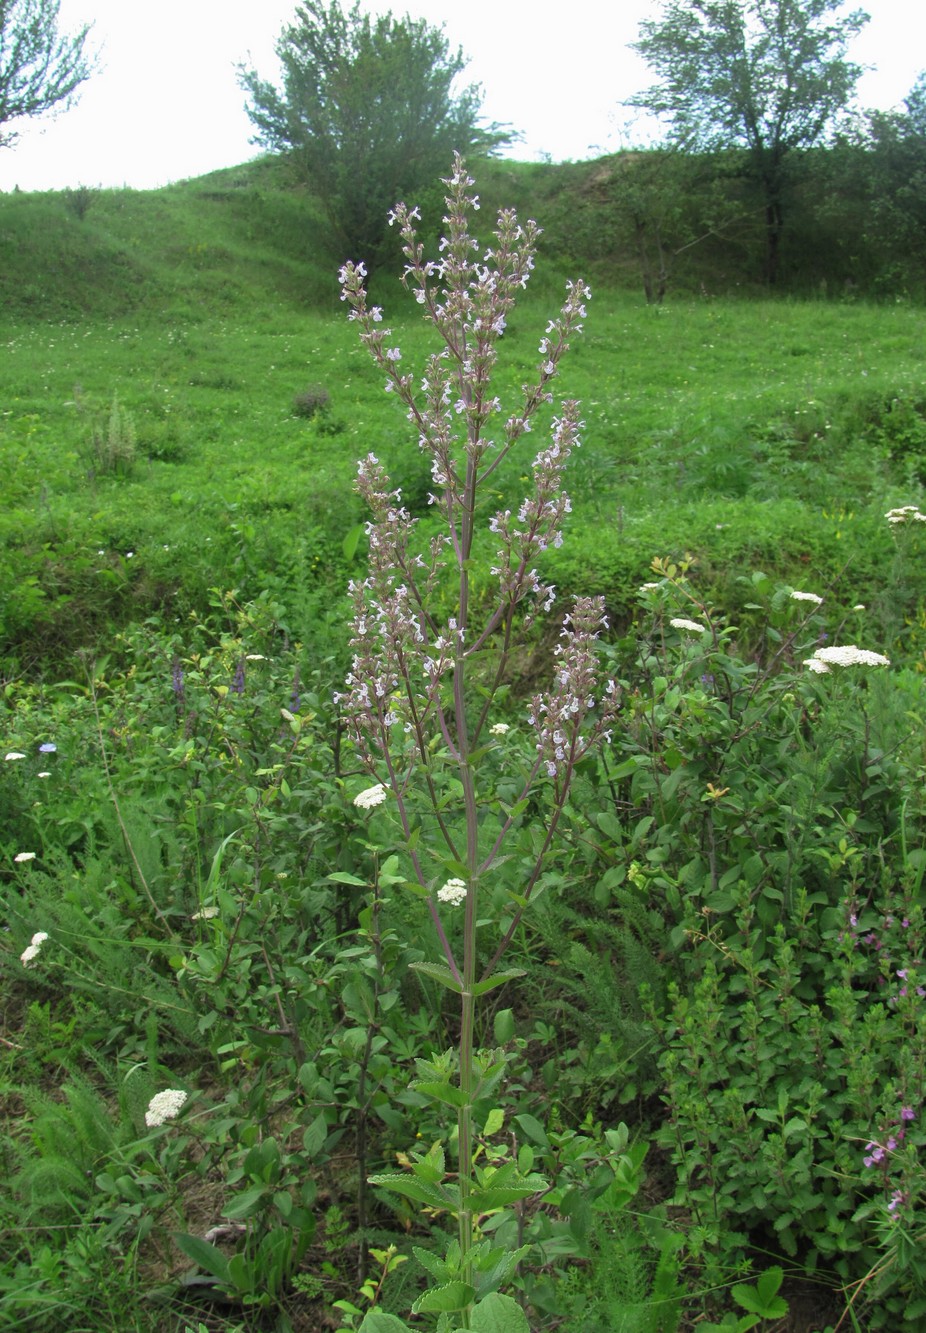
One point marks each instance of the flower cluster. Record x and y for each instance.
(689, 626)
(31, 952)
(843, 655)
(558, 716)
(905, 514)
(453, 892)
(797, 596)
(164, 1106)
(370, 797)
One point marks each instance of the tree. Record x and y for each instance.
(39, 69)
(367, 113)
(768, 76)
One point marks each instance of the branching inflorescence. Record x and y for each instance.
(420, 725)
(407, 678)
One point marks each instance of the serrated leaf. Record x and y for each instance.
(412, 1188)
(431, 1167)
(439, 972)
(451, 1296)
(498, 1314)
(432, 1264)
(441, 1092)
(377, 1321)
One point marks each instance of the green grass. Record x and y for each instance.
(749, 434)
(732, 429)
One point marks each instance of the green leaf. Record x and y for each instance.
(313, 1139)
(244, 1205)
(498, 1314)
(533, 1129)
(451, 1296)
(494, 1122)
(376, 1321)
(341, 877)
(206, 1256)
(498, 979)
(441, 1092)
(412, 1188)
(431, 1168)
(349, 547)
(439, 972)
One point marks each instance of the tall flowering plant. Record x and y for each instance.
(422, 722)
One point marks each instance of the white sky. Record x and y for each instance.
(166, 104)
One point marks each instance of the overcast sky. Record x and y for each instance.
(165, 104)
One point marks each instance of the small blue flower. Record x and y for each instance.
(48, 747)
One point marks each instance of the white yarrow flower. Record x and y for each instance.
(806, 597)
(370, 797)
(31, 952)
(453, 892)
(691, 626)
(24, 856)
(814, 664)
(850, 655)
(205, 914)
(164, 1106)
(499, 729)
(13, 754)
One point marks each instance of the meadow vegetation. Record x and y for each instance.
(692, 1093)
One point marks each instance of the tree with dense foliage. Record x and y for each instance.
(39, 68)
(896, 173)
(368, 113)
(767, 76)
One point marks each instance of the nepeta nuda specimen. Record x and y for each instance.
(411, 708)
(407, 680)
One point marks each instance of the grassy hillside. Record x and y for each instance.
(154, 449)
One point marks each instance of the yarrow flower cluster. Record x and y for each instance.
(905, 514)
(843, 655)
(31, 952)
(24, 856)
(453, 892)
(13, 754)
(499, 729)
(689, 626)
(164, 1106)
(370, 797)
(797, 596)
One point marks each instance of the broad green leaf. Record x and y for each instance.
(451, 1296)
(376, 1321)
(439, 972)
(441, 1092)
(207, 1256)
(412, 1188)
(533, 1129)
(243, 1205)
(498, 1314)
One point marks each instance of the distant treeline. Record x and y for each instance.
(854, 219)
